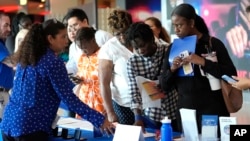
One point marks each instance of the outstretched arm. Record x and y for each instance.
(105, 70)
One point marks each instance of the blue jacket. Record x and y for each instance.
(6, 73)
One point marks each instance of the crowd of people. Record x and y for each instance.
(98, 81)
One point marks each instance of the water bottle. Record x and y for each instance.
(166, 130)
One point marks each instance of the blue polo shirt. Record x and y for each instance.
(6, 73)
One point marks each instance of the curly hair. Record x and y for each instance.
(163, 33)
(35, 43)
(119, 20)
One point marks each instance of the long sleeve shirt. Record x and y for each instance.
(148, 67)
(194, 91)
(6, 73)
(36, 95)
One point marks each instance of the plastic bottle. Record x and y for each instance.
(166, 130)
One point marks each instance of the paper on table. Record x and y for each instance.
(209, 126)
(147, 134)
(189, 125)
(72, 123)
(225, 123)
(146, 100)
(128, 133)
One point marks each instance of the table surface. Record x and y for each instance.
(86, 129)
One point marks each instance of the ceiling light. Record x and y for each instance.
(23, 2)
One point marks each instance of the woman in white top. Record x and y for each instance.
(113, 78)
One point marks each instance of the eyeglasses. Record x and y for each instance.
(74, 27)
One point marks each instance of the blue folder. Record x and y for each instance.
(179, 45)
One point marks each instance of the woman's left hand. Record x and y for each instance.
(195, 59)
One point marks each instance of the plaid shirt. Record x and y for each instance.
(148, 67)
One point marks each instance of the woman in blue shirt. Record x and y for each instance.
(41, 82)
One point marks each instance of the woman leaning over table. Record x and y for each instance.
(113, 57)
(41, 83)
(89, 90)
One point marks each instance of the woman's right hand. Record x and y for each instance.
(112, 117)
(177, 63)
(107, 127)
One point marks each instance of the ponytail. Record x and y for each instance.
(187, 11)
(33, 47)
(201, 25)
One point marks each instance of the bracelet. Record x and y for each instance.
(138, 117)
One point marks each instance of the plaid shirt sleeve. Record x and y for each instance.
(133, 89)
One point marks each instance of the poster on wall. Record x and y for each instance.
(142, 9)
(228, 21)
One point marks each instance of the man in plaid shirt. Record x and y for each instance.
(147, 62)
